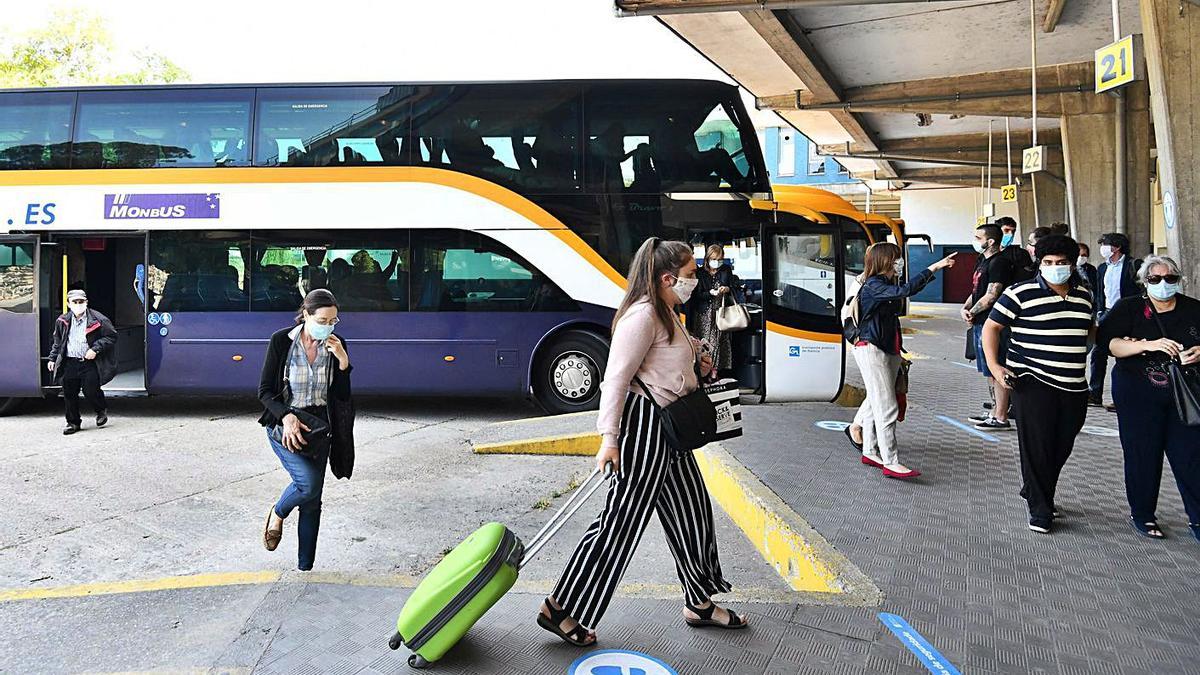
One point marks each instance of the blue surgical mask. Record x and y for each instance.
(317, 331)
(1006, 240)
(1056, 274)
(1162, 290)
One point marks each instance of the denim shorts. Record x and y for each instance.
(980, 359)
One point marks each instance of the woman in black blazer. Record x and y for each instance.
(307, 375)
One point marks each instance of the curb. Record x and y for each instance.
(583, 444)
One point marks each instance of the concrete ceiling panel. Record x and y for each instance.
(904, 125)
(729, 41)
(878, 44)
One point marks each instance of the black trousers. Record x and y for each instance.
(1150, 427)
(79, 374)
(1048, 420)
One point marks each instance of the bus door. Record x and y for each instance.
(21, 366)
(803, 290)
(111, 267)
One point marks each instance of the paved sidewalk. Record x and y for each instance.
(950, 552)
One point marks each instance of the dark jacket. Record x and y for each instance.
(101, 338)
(1129, 285)
(340, 403)
(1022, 262)
(1088, 273)
(879, 307)
(699, 304)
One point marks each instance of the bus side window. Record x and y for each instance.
(197, 272)
(35, 130)
(332, 126)
(463, 271)
(366, 273)
(144, 129)
(523, 135)
(16, 278)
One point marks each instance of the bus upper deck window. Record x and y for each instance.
(35, 130)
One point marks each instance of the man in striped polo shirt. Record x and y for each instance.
(1050, 318)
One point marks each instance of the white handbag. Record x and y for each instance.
(732, 316)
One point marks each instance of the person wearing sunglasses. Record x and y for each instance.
(305, 383)
(83, 356)
(1145, 333)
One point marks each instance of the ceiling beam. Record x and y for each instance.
(967, 177)
(969, 148)
(1054, 10)
(665, 7)
(1063, 89)
(789, 41)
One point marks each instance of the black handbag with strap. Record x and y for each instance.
(1185, 382)
(689, 422)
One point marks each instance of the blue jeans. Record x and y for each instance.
(980, 358)
(308, 479)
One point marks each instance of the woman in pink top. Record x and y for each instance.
(649, 343)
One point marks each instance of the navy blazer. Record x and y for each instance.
(1129, 284)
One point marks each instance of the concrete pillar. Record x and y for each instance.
(1088, 147)
(1051, 202)
(1171, 31)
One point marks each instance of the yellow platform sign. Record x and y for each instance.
(1115, 65)
(1008, 193)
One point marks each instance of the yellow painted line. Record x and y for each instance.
(759, 517)
(583, 445)
(142, 585)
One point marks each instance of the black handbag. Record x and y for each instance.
(1185, 382)
(318, 440)
(689, 422)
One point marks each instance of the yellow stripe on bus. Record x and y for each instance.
(834, 338)
(348, 174)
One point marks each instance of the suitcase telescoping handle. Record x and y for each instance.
(568, 509)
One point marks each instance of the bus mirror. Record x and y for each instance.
(928, 240)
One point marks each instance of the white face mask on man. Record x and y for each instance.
(78, 308)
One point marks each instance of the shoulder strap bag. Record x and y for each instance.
(1185, 382)
(689, 422)
(732, 316)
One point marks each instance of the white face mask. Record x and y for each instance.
(78, 310)
(979, 247)
(683, 288)
(899, 266)
(714, 264)
(1105, 251)
(1081, 261)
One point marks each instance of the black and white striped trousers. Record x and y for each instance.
(651, 478)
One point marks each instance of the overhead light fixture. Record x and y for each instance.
(924, 119)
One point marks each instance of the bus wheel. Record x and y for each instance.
(568, 371)
(9, 406)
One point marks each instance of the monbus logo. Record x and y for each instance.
(171, 206)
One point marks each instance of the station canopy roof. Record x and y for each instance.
(902, 92)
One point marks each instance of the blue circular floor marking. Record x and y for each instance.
(832, 425)
(619, 662)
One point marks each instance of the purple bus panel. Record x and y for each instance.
(20, 369)
(448, 353)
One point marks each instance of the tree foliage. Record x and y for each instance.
(75, 47)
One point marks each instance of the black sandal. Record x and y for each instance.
(577, 636)
(850, 437)
(1147, 529)
(706, 620)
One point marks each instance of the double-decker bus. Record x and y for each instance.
(475, 234)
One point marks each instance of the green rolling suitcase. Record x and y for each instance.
(470, 579)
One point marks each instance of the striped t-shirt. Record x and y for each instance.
(1049, 333)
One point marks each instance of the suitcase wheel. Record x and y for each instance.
(417, 661)
(395, 641)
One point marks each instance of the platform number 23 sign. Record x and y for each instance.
(1008, 193)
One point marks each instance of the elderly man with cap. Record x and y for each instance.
(83, 356)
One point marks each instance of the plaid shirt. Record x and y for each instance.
(309, 383)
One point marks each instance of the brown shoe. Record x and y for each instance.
(271, 537)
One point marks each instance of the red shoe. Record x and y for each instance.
(870, 462)
(901, 475)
